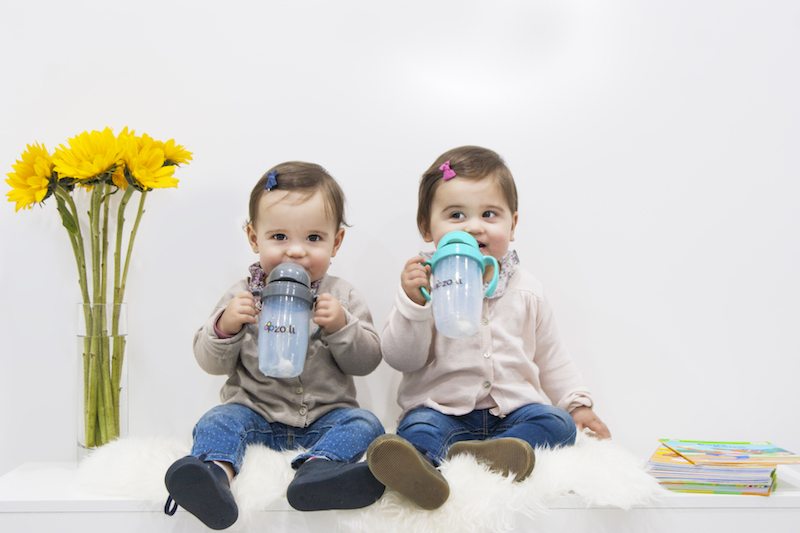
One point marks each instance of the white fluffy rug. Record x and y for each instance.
(598, 472)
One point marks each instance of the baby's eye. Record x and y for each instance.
(314, 237)
(457, 215)
(489, 214)
(279, 236)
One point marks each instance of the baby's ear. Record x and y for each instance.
(514, 220)
(426, 234)
(252, 237)
(337, 241)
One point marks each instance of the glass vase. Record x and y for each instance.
(102, 375)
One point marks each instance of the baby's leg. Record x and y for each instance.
(509, 448)
(327, 475)
(407, 462)
(223, 434)
(432, 432)
(538, 425)
(339, 435)
(200, 482)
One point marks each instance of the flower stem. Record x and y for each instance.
(99, 394)
(118, 357)
(105, 352)
(118, 348)
(69, 217)
(131, 239)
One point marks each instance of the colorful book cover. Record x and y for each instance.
(676, 473)
(701, 452)
(667, 460)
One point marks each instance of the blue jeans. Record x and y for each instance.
(432, 432)
(223, 433)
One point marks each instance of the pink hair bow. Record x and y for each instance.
(447, 172)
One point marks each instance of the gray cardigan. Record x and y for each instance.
(326, 382)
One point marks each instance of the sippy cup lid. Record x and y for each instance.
(288, 279)
(289, 272)
(463, 244)
(457, 243)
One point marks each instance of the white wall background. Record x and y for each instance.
(655, 146)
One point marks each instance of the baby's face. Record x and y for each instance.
(477, 207)
(290, 227)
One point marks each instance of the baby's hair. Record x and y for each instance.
(468, 162)
(305, 177)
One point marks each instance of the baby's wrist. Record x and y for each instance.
(415, 295)
(221, 331)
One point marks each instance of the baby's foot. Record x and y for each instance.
(320, 484)
(504, 455)
(397, 464)
(203, 489)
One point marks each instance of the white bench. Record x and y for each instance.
(43, 497)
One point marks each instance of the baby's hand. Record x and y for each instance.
(329, 313)
(414, 276)
(240, 310)
(585, 417)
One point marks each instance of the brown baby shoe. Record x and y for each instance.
(504, 455)
(397, 464)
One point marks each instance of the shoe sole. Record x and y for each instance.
(350, 487)
(504, 456)
(193, 486)
(399, 466)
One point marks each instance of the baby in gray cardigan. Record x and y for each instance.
(297, 216)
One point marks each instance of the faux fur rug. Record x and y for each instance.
(598, 472)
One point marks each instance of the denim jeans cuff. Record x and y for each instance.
(224, 458)
(303, 457)
(435, 459)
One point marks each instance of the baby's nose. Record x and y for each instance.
(296, 251)
(472, 227)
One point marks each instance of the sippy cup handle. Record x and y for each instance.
(423, 290)
(489, 260)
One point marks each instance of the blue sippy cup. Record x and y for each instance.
(457, 284)
(283, 322)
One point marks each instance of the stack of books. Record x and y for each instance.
(718, 467)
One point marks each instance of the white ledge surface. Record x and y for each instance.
(39, 496)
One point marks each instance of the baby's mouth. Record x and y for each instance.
(481, 245)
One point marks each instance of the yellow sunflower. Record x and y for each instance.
(89, 155)
(127, 141)
(146, 163)
(176, 154)
(30, 180)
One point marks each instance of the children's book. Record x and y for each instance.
(702, 452)
(676, 473)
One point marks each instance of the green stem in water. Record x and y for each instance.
(105, 352)
(69, 218)
(118, 353)
(97, 396)
(93, 427)
(118, 358)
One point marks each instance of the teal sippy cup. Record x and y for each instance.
(457, 284)
(286, 303)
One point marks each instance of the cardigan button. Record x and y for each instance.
(486, 384)
(303, 410)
